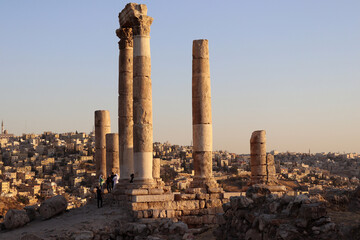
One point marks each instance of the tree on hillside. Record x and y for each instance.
(167, 173)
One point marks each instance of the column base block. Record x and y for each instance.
(275, 189)
(152, 198)
(199, 205)
(204, 183)
(270, 180)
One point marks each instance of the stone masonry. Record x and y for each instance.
(143, 128)
(201, 114)
(148, 197)
(112, 154)
(135, 84)
(134, 17)
(125, 102)
(102, 127)
(262, 164)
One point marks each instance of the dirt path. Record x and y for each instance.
(208, 235)
(75, 220)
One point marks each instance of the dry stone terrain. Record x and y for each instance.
(262, 215)
(7, 203)
(259, 215)
(109, 222)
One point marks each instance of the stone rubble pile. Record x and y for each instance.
(340, 199)
(49, 208)
(262, 215)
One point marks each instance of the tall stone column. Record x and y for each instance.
(125, 102)
(112, 154)
(201, 113)
(143, 127)
(102, 127)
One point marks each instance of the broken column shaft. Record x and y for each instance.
(112, 154)
(102, 127)
(126, 102)
(262, 165)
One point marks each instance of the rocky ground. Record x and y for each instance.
(73, 221)
(109, 222)
(260, 215)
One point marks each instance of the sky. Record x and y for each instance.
(288, 67)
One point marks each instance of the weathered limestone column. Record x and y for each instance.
(271, 170)
(125, 102)
(262, 164)
(112, 154)
(258, 157)
(156, 168)
(102, 127)
(143, 128)
(201, 113)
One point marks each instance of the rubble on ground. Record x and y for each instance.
(262, 215)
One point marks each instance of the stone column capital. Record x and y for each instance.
(126, 37)
(141, 25)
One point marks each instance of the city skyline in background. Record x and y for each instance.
(288, 68)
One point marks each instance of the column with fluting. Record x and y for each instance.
(102, 127)
(201, 114)
(112, 154)
(142, 104)
(125, 103)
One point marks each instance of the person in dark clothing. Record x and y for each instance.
(132, 178)
(111, 180)
(99, 197)
(109, 184)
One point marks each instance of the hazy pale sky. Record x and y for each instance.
(289, 67)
